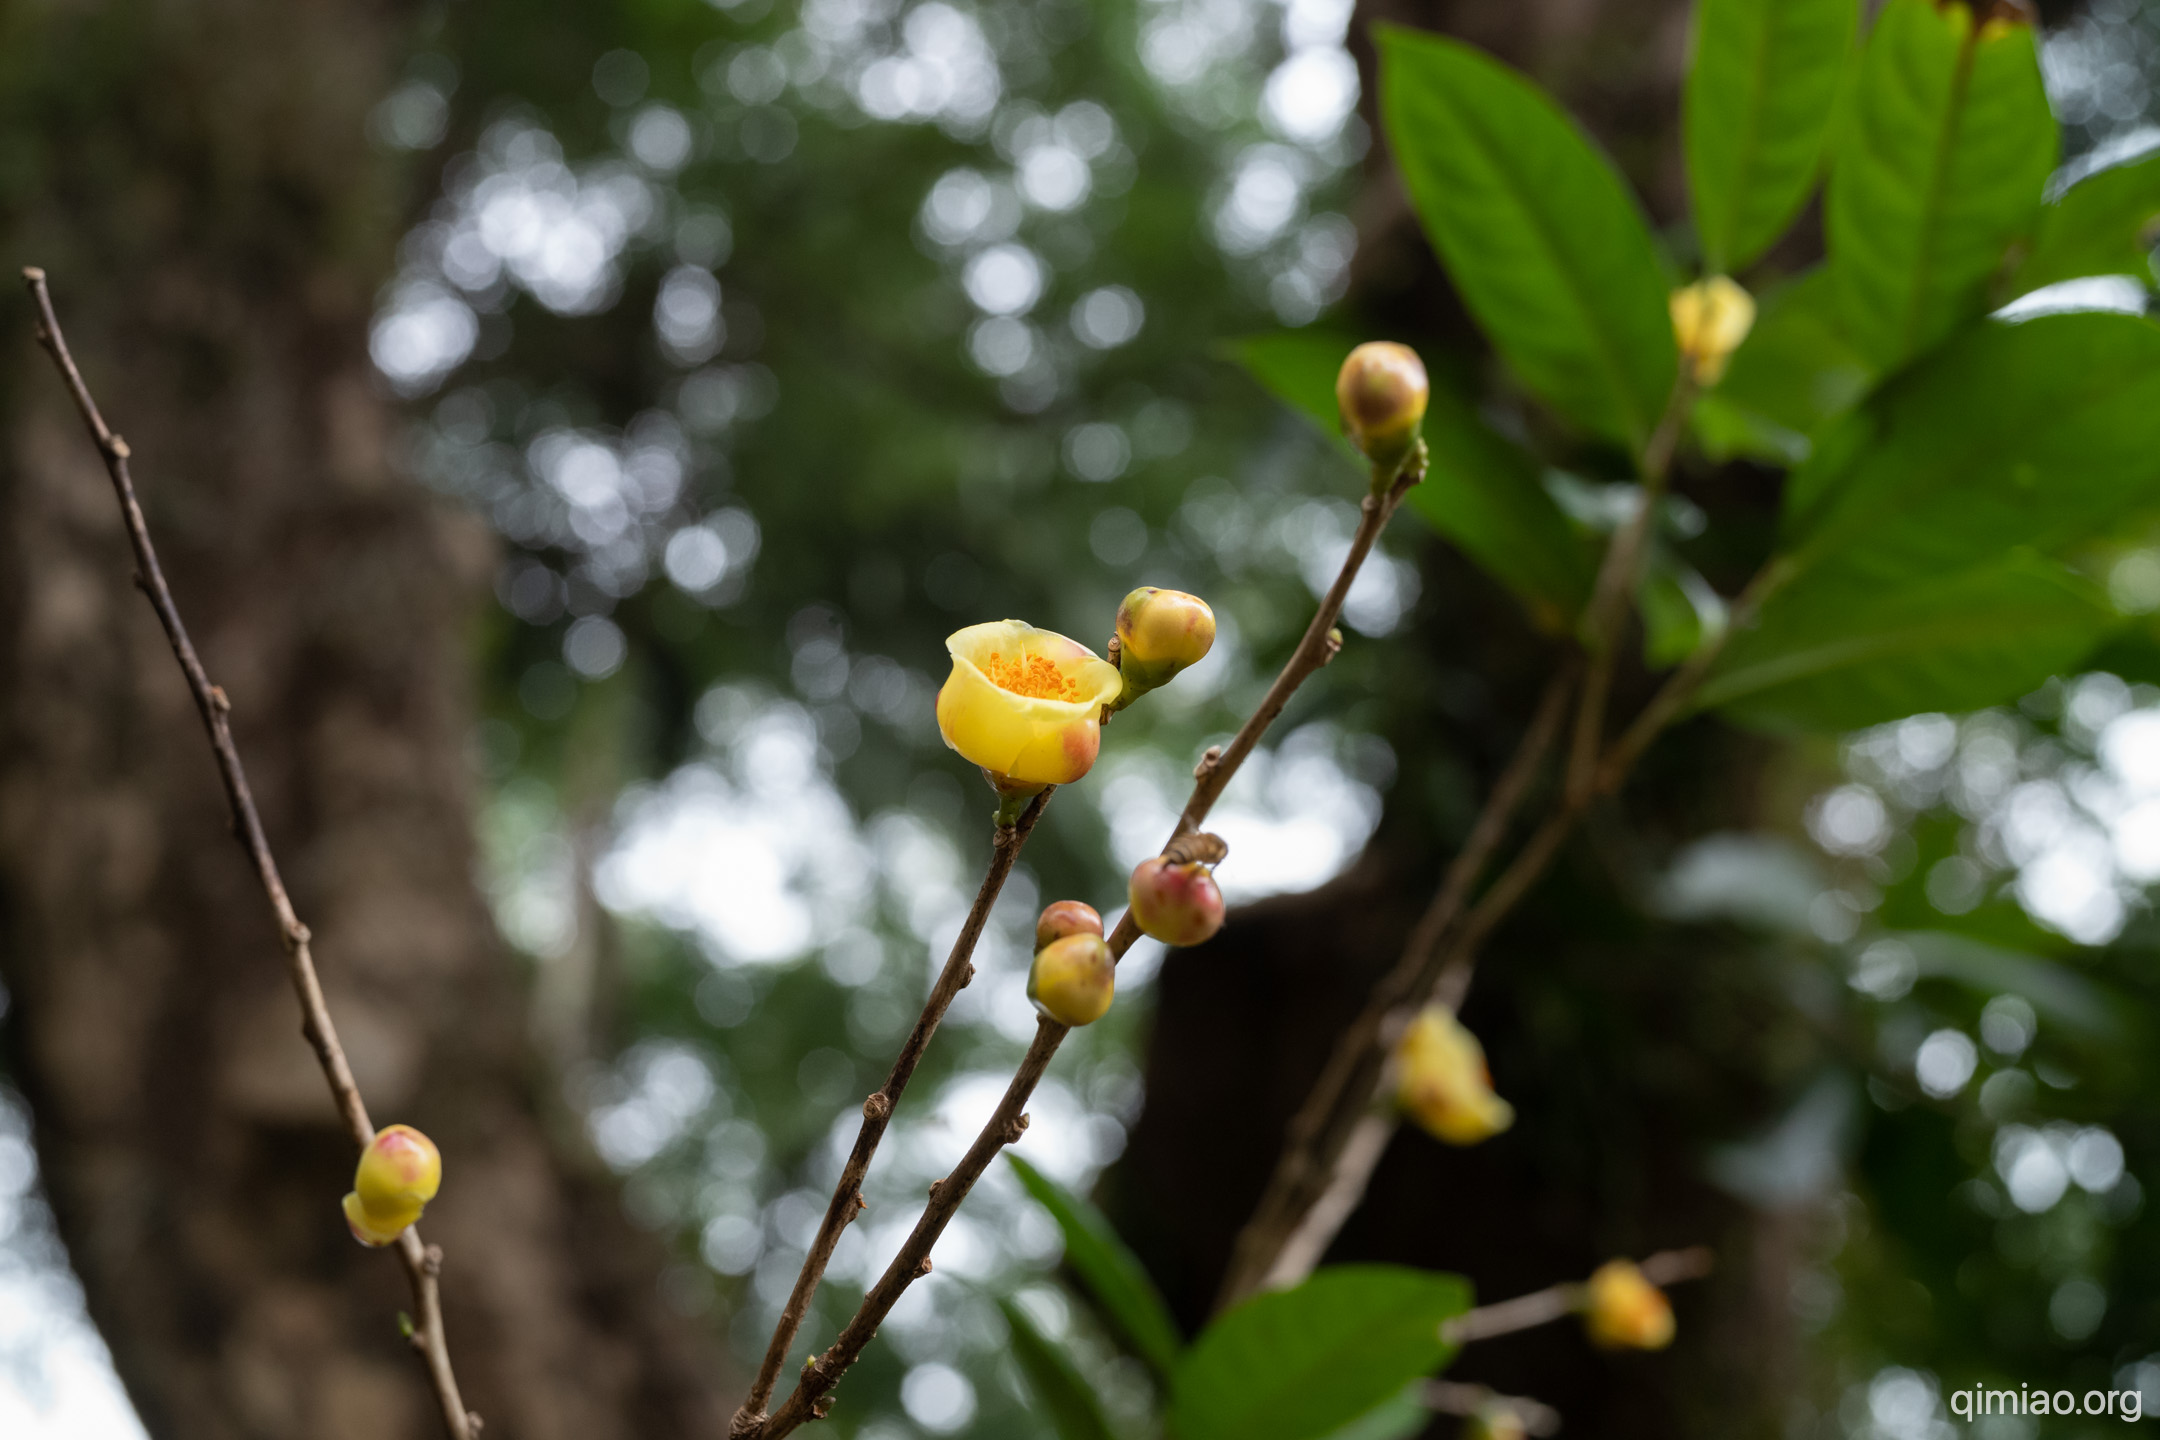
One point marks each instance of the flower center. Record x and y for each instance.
(1030, 675)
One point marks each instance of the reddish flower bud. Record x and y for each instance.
(1066, 917)
(1176, 900)
(1073, 979)
(1624, 1311)
(1382, 391)
(398, 1174)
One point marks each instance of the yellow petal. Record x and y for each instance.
(1037, 739)
(1444, 1084)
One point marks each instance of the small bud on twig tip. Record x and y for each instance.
(1208, 761)
(33, 274)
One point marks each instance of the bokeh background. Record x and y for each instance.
(698, 368)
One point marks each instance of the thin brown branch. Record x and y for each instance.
(811, 1396)
(1453, 1397)
(1542, 1307)
(423, 1263)
(847, 1201)
(1291, 1213)
(1614, 591)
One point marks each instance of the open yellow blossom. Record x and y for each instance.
(1445, 1086)
(1709, 319)
(1624, 1310)
(1025, 704)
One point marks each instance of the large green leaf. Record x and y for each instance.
(1399, 1418)
(1481, 491)
(1300, 1364)
(1760, 92)
(2105, 224)
(1538, 231)
(1937, 168)
(1836, 649)
(1109, 1271)
(2039, 434)
(1062, 1395)
(1795, 372)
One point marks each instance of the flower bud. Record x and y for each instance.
(1159, 633)
(1174, 896)
(1445, 1086)
(399, 1172)
(1381, 390)
(1073, 979)
(1624, 1311)
(1496, 1420)
(1709, 319)
(1066, 917)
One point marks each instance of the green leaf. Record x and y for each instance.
(1062, 1395)
(1836, 649)
(1300, 1364)
(1760, 92)
(2105, 224)
(1109, 1271)
(1481, 491)
(1397, 1418)
(1938, 167)
(2056, 991)
(1795, 372)
(2037, 434)
(1538, 231)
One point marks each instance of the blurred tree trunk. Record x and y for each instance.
(1626, 1045)
(198, 181)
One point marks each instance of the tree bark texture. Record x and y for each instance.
(197, 179)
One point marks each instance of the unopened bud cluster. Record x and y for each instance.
(398, 1174)
(1445, 1086)
(1624, 1311)
(1382, 393)
(1074, 978)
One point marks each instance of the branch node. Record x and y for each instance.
(1014, 1130)
(935, 1186)
(473, 1422)
(1197, 849)
(1208, 761)
(821, 1407)
(431, 1260)
(924, 1268)
(33, 274)
(117, 447)
(298, 933)
(220, 699)
(877, 1107)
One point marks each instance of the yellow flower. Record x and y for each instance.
(1025, 704)
(1709, 319)
(399, 1172)
(1445, 1086)
(1625, 1311)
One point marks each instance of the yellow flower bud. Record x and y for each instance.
(1160, 632)
(399, 1172)
(1025, 704)
(1445, 1086)
(1073, 980)
(1709, 319)
(1495, 1420)
(1382, 392)
(1624, 1311)
(1063, 918)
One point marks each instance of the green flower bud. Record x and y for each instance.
(398, 1174)
(1159, 633)
(1382, 392)
(1073, 979)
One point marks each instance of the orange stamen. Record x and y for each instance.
(1030, 675)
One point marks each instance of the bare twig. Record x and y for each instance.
(423, 1263)
(1542, 1307)
(811, 1397)
(847, 1201)
(1289, 1215)
(1453, 1397)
